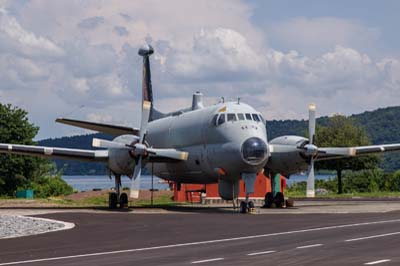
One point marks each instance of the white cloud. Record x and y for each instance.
(85, 53)
(313, 36)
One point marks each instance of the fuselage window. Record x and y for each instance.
(241, 116)
(248, 117)
(256, 118)
(214, 120)
(221, 119)
(232, 117)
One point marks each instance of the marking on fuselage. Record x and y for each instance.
(48, 151)
(223, 109)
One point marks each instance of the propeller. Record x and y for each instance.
(140, 150)
(311, 150)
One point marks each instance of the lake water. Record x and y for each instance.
(85, 183)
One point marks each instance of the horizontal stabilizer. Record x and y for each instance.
(103, 128)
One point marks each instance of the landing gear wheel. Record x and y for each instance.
(269, 199)
(279, 200)
(123, 200)
(250, 207)
(243, 207)
(112, 200)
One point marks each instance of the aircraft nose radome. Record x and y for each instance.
(146, 50)
(254, 150)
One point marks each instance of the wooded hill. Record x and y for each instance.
(382, 126)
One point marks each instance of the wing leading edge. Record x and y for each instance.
(337, 153)
(62, 153)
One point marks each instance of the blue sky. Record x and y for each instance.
(79, 58)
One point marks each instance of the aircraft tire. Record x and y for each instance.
(279, 200)
(112, 200)
(269, 199)
(123, 200)
(243, 207)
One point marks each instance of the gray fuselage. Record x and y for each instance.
(213, 148)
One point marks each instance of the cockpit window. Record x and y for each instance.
(214, 120)
(262, 119)
(221, 119)
(256, 118)
(232, 117)
(240, 116)
(248, 117)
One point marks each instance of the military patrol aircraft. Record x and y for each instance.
(221, 143)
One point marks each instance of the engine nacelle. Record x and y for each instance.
(287, 158)
(120, 160)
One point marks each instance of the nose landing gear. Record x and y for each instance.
(247, 206)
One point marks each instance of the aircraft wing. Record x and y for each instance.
(336, 153)
(103, 128)
(53, 152)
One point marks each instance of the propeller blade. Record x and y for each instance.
(311, 180)
(102, 143)
(311, 122)
(169, 153)
(145, 120)
(135, 185)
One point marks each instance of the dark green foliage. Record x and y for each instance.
(364, 181)
(16, 170)
(48, 186)
(342, 131)
(71, 167)
(382, 126)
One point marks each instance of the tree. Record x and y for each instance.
(342, 131)
(15, 170)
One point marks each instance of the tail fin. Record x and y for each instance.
(147, 90)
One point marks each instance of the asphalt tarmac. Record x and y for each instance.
(211, 238)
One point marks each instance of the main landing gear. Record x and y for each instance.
(115, 198)
(278, 201)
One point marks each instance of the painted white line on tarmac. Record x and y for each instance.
(261, 253)
(310, 246)
(370, 237)
(202, 242)
(376, 262)
(209, 260)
